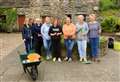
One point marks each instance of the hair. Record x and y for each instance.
(31, 19)
(56, 19)
(81, 16)
(26, 20)
(93, 15)
(66, 18)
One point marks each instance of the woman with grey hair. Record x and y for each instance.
(82, 31)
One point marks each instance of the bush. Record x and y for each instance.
(11, 16)
(109, 24)
(105, 4)
(108, 4)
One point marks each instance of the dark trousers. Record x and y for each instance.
(56, 47)
(28, 45)
(38, 45)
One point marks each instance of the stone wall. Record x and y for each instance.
(55, 8)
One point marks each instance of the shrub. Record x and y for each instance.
(11, 16)
(109, 4)
(109, 24)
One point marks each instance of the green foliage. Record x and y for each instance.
(11, 17)
(109, 4)
(110, 23)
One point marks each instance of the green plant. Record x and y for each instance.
(109, 24)
(11, 17)
(105, 4)
(109, 4)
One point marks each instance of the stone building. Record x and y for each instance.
(58, 8)
(52, 8)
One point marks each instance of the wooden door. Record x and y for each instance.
(21, 19)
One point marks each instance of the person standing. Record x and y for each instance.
(46, 38)
(31, 24)
(82, 31)
(69, 31)
(55, 32)
(36, 31)
(94, 34)
(27, 35)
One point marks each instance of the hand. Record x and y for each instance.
(39, 35)
(31, 37)
(53, 34)
(99, 32)
(24, 40)
(82, 33)
(69, 36)
(59, 34)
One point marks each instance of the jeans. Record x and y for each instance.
(69, 46)
(47, 46)
(28, 45)
(82, 46)
(94, 43)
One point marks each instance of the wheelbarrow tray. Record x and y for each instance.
(23, 57)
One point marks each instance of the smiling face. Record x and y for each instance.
(47, 20)
(92, 17)
(55, 22)
(38, 21)
(80, 18)
(31, 21)
(26, 21)
(68, 20)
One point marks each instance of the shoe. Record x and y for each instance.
(59, 60)
(97, 60)
(87, 62)
(50, 56)
(47, 58)
(66, 58)
(85, 59)
(54, 59)
(70, 59)
(80, 59)
(93, 59)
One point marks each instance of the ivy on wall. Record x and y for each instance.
(11, 17)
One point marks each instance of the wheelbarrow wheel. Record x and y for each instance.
(24, 68)
(34, 73)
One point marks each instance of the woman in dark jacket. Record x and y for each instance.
(27, 36)
(55, 32)
(36, 32)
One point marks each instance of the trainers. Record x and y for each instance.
(85, 59)
(50, 56)
(66, 58)
(70, 59)
(59, 60)
(81, 59)
(54, 59)
(47, 57)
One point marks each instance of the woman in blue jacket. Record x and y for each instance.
(27, 36)
(46, 38)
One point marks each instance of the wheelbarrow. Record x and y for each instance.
(30, 67)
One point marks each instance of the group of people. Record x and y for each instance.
(49, 34)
